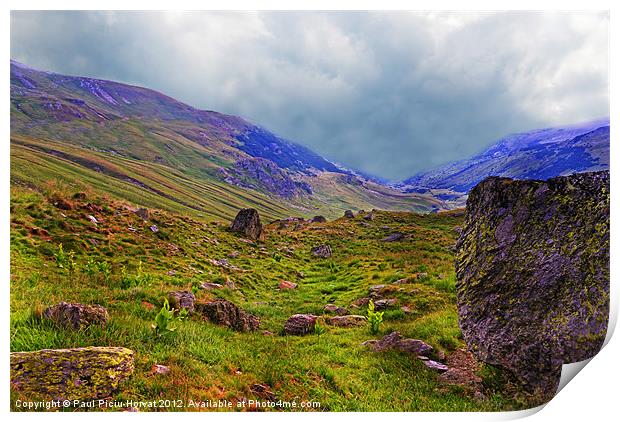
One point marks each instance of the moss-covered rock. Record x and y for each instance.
(533, 274)
(76, 315)
(71, 374)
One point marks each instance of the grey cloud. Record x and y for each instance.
(389, 93)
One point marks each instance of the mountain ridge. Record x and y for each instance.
(535, 154)
(155, 143)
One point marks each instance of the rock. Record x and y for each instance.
(370, 216)
(347, 320)
(300, 324)
(406, 309)
(248, 223)
(394, 237)
(349, 214)
(532, 270)
(182, 300)
(287, 285)
(154, 228)
(267, 333)
(233, 254)
(323, 251)
(230, 284)
(143, 213)
(63, 204)
(211, 286)
(402, 281)
(394, 341)
(421, 276)
(413, 346)
(263, 391)
(335, 309)
(318, 219)
(171, 272)
(383, 304)
(76, 316)
(71, 374)
(92, 219)
(160, 370)
(223, 312)
(377, 290)
(361, 302)
(436, 366)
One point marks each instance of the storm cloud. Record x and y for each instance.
(388, 93)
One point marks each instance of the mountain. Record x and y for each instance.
(538, 154)
(140, 145)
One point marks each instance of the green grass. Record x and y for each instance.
(209, 362)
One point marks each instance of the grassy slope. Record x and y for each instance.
(211, 362)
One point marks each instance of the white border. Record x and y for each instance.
(592, 395)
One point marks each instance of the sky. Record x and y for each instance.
(386, 93)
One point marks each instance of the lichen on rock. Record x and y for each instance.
(71, 374)
(532, 269)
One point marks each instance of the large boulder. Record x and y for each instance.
(532, 269)
(71, 374)
(223, 312)
(76, 315)
(349, 214)
(248, 223)
(300, 324)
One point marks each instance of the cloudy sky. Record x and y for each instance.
(387, 93)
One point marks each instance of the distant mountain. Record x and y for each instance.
(98, 132)
(539, 154)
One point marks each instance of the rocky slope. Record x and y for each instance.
(539, 154)
(532, 270)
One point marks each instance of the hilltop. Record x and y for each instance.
(143, 146)
(538, 154)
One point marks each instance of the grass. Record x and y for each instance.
(209, 362)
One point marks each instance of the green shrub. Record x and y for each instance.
(163, 320)
(374, 318)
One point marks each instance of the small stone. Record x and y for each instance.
(347, 320)
(300, 324)
(171, 272)
(394, 237)
(322, 251)
(211, 286)
(154, 228)
(223, 312)
(287, 285)
(160, 369)
(182, 300)
(377, 290)
(369, 217)
(143, 213)
(348, 214)
(335, 309)
(362, 301)
(233, 254)
(383, 304)
(267, 333)
(263, 391)
(92, 219)
(439, 367)
(318, 219)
